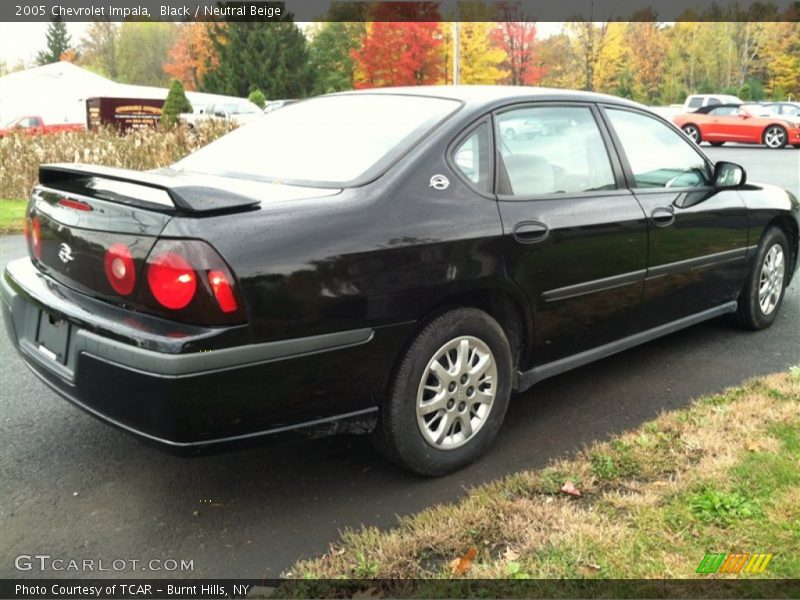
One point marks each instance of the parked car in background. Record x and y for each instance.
(35, 125)
(239, 112)
(388, 261)
(696, 101)
(784, 109)
(276, 104)
(743, 123)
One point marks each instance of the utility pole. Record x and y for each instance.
(456, 48)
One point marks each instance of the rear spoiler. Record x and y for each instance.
(177, 191)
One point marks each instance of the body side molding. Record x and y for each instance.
(528, 378)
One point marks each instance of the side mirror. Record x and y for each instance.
(744, 116)
(728, 175)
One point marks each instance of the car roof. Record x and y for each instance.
(477, 95)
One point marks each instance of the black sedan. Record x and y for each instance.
(386, 262)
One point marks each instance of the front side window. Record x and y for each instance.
(659, 156)
(724, 111)
(328, 141)
(553, 150)
(473, 158)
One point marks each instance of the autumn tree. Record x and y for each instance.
(517, 40)
(481, 59)
(612, 72)
(58, 42)
(647, 50)
(588, 41)
(98, 48)
(142, 50)
(192, 55)
(270, 56)
(401, 46)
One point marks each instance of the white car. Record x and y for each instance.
(240, 112)
(696, 101)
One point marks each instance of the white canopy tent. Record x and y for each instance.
(57, 92)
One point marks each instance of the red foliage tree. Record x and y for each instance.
(518, 40)
(396, 52)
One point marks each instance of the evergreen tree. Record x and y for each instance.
(58, 41)
(175, 104)
(270, 56)
(331, 50)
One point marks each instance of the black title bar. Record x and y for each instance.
(403, 10)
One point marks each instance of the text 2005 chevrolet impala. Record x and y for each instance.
(394, 259)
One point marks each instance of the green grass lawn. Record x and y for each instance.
(720, 476)
(12, 215)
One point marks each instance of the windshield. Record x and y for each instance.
(330, 140)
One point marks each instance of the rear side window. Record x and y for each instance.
(659, 156)
(473, 158)
(553, 150)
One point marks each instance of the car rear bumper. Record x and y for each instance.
(186, 387)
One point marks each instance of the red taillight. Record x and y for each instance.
(36, 237)
(172, 280)
(223, 291)
(120, 270)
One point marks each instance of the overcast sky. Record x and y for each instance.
(22, 41)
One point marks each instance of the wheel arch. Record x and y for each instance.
(506, 304)
(789, 227)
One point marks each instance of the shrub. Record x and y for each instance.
(175, 104)
(258, 98)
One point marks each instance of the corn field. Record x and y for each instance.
(21, 154)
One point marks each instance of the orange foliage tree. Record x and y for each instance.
(192, 55)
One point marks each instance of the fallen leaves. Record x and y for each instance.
(462, 564)
(569, 488)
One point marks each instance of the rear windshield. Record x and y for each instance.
(332, 140)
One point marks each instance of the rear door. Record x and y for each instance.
(697, 234)
(575, 239)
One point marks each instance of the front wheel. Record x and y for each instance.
(449, 395)
(775, 137)
(693, 133)
(717, 144)
(763, 292)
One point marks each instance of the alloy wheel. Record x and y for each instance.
(775, 137)
(692, 133)
(456, 392)
(770, 284)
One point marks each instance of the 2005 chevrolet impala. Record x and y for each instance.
(394, 260)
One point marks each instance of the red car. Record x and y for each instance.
(34, 125)
(744, 123)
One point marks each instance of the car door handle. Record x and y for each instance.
(663, 216)
(530, 232)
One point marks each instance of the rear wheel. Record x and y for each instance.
(762, 295)
(449, 395)
(693, 133)
(775, 137)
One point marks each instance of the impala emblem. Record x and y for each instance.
(65, 253)
(439, 182)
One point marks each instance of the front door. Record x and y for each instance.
(575, 239)
(697, 234)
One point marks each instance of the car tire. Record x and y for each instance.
(693, 133)
(716, 144)
(775, 137)
(763, 291)
(435, 420)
